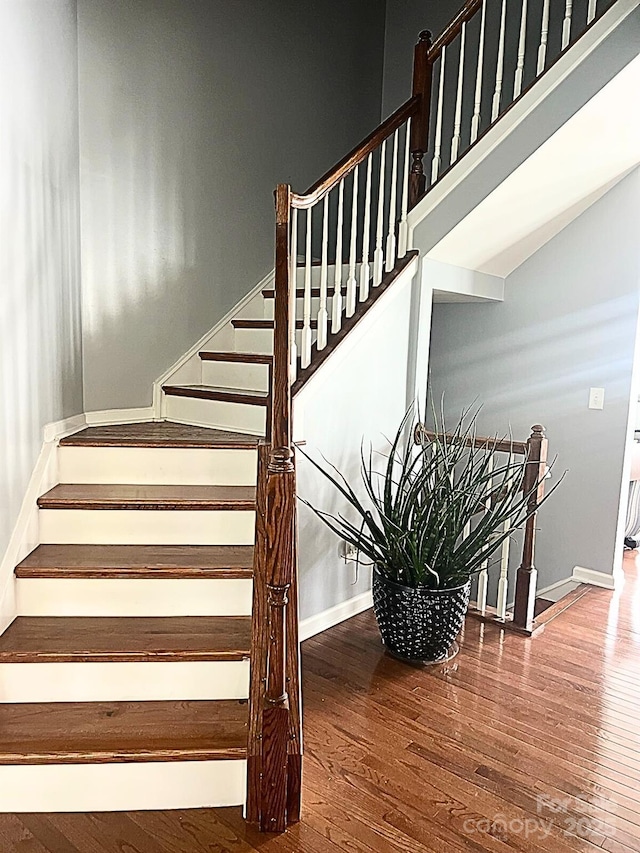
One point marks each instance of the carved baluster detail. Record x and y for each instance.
(591, 11)
(378, 255)
(365, 269)
(437, 148)
(497, 95)
(390, 259)
(403, 228)
(477, 105)
(305, 358)
(293, 272)
(522, 46)
(566, 24)
(483, 576)
(419, 133)
(527, 576)
(336, 303)
(544, 38)
(323, 315)
(352, 283)
(457, 126)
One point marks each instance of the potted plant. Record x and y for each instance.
(434, 514)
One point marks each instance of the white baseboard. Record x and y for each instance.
(120, 416)
(334, 615)
(593, 578)
(58, 429)
(547, 589)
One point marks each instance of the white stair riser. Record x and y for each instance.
(261, 340)
(232, 416)
(225, 374)
(124, 682)
(139, 597)
(131, 786)
(148, 527)
(157, 466)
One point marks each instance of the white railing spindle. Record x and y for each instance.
(457, 125)
(293, 277)
(390, 260)
(477, 103)
(503, 583)
(336, 303)
(352, 284)
(305, 355)
(483, 576)
(403, 228)
(365, 269)
(378, 255)
(566, 24)
(437, 148)
(544, 38)
(591, 11)
(522, 46)
(497, 95)
(323, 314)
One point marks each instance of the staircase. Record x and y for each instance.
(154, 660)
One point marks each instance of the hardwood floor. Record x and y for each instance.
(518, 744)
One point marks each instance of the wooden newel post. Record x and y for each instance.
(279, 544)
(422, 74)
(527, 576)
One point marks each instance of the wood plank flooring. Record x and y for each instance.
(102, 496)
(516, 745)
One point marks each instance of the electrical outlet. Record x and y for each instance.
(348, 551)
(596, 398)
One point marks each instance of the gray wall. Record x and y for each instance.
(40, 340)
(190, 112)
(568, 323)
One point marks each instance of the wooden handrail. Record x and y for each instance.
(520, 448)
(454, 28)
(345, 166)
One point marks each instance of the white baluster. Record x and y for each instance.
(544, 37)
(378, 255)
(477, 104)
(591, 12)
(522, 46)
(503, 583)
(365, 269)
(437, 148)
(305, 356)
(497, 95)
(336, 306)
(352, 284)
(323, 315)
(483, 576)
(403, 228)
(566, 24)
(293, 281)
(457, 124)
(390, 261)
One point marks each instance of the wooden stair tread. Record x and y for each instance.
(241, 323)
(49, 639)
(146, 497)
(212, 392)
(158, 434)
(237, 357)
(138, 561)
(107, 732)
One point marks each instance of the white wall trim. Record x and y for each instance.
(195, 349)
(334, 615)
(58, 429)
(120, 416)
(593, 578)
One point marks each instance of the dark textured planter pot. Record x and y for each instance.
(418, 624)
